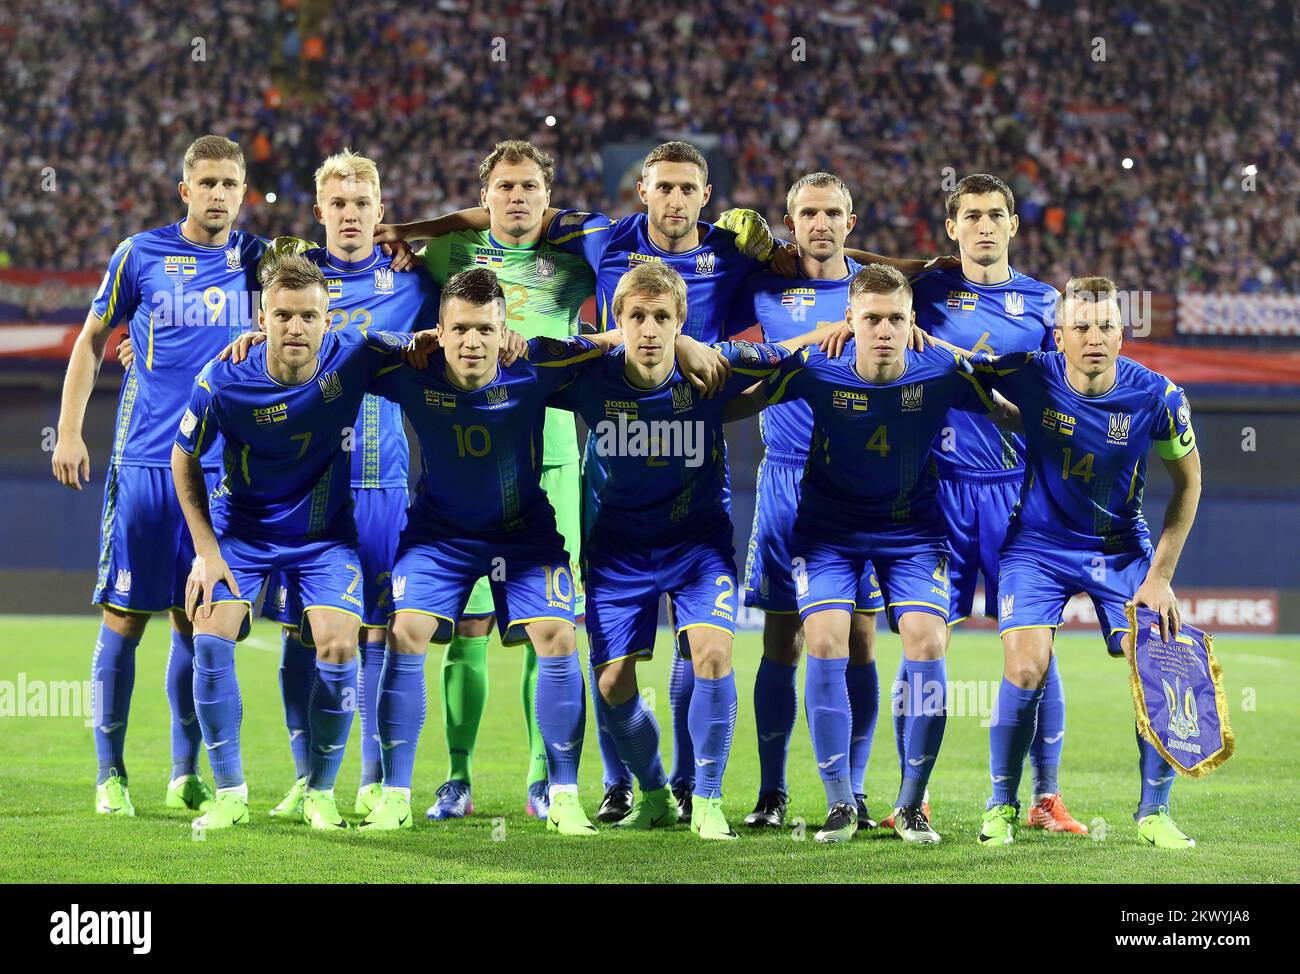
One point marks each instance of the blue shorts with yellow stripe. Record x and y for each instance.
(380, 513)
(326, 572)
(769, 582)
(912, 570)
(1038, 577)
(626, 578)
(528, 573)
(144, 547)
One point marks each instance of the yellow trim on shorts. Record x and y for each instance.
(423, 612)
(706, 625)
(830, 602)
(355, 615)
(134, 612)
(957, 622)
(639, 653)
(524, 622)
(780, 612)
(929, 605)
(1038, 625)
(866, 612)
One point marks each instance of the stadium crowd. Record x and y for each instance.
(1051, 94)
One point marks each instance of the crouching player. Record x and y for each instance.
(284, 504)
(1090, 418)
(662, 528)
(868, 495)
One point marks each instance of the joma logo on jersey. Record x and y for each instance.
(123, 584)
(266, 415)
(331, 386)
(682, 398)
(796, 297)
(962, 300)
(383, 280)
(1118, 427)
(1014, 303)
(615, 408)
(1060, 422)
(497, 395)
(704, 263)
(912, 397)
(633, 259)
(486, 257)
(850, 399)
(544, 266)
(1008, 606)
(334, 287)
(187, 266)
(439, 400)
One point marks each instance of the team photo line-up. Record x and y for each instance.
(924, 424)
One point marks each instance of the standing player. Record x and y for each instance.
(819, 213)
(544, 288)
(868, 495)
(663, 528)
(481, 510)
(988, 306)
(183, 290)
(364, 292)
(285, 504)
(1090, 418)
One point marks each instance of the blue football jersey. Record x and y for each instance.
(1014, 316)
(182, 303)
(1087, 455)
(286, 466)
(786, 307)
(662, 449)
(713, 271)
(369, 294)
(869, 466)
(481, 450)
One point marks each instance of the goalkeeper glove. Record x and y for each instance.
(753, 236)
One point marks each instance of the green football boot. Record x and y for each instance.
(228, 810)
(707, 820)
(321, 811)
(1160, 831)
(567, 817)
(999, 826)
(391, 812)
(656, 809)
(189, 791)
(368, 797)
(111, 798)
(841, 823)
(291, 804)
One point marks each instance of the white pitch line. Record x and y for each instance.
(1251, 658)
(261, 644)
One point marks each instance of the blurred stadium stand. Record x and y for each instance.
(899, 98)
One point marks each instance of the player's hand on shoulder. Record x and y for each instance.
(945, 262)
(753, 235)
(703, 365)
(1157, 595)
(389, 233)
(513, 346)
(125, 352)
(833, 342)
(422, 344)
(205, 572)
(238, 350)
(921, 339)
(403, 255)
(785, 260)
(71, 461)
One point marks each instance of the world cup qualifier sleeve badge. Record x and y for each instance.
(1178, 694)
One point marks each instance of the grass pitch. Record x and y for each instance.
(1244, 816)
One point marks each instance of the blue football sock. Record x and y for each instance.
(681, 683)
(400, 711)
(633, 727)
(1010, 731)
(1157, 779)
(220, 707)
(187, 735)
(864, 706)
(826, 702)
(924, 722)
(712, 722)
(112, 675)
(368, 677)
(614, 772)
(333, 702)
(776, 706)
(561, 715)
(297, 677)
(1045, 751)
(896, 695)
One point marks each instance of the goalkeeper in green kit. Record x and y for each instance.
(545, 288)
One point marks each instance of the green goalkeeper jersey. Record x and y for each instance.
(544, 287)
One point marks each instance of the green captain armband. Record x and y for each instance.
(1178, 447)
